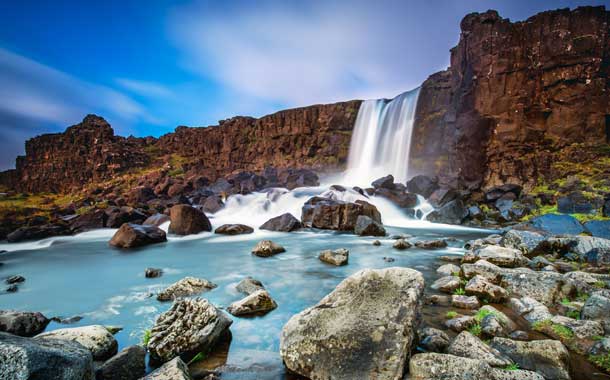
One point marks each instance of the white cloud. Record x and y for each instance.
(144, 88)
(313, 53)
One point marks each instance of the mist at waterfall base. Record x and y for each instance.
(81, 275)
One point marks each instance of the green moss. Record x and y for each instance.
(482, 313)
(145, 338)
(573, 314)
(475, 329)
(459, 292)
(451, 314)
(512, 367)
(199, 357)
(602, 361)
(562, 331)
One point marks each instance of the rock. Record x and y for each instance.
(386, 182)
(284, 223)
(366, 226)
(347, 318)
(12, 289)
(491, 326)
(117, 216)
(212, 204)
(433, 366)
(530, 309)
(153, 272)
(129, 364)
(546, 287)
(266, 248)
(501, 256)
(442, 196)
(15, 280)
(329, 214)
(557, 224)
(376, 243)
(399, 197)
(519, 335)
(539, 262)
(601, 347)
(465, 302)
(431, 244)
(234, 229)
(498, 192)
(186, 220)
(525, 241)
(434, 340)
(401, 244)
(175, 369)
(249, 285)
(91, 220)
(598, 257)
(448, 270)
(547, 357)
(571, 247)
(596, 307)
(188, 327)
(446, 284)
(467, 345)
(36, 232)
(156, 220)
(422, 185)
(48, 359)
(22, 323)
(259, 302)
(96, 338)
(188, 286)
(453, 212)
(575, 202)
(480, 287)
(482, 243)
(134, 235)
(461, 323)
(491, 272)
(337, 257)
(388, 259)
(502, 318)
(599, 228)
(71, 320)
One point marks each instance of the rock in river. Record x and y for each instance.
(173, 370)
(431, 244)
(480, 287)
(402, 244)
(337, 257)
(134, 235)
(188, 327)
(364, 328)
(366, 226)
(96, 338)
(283, 223)
(234, 229)
(186, 220)
(188, 286)
(469, 346)
(48, 359)
(249, 285)
(153, 272)
(22, 323)
(259, 302)
(266, 248)
(129, 364)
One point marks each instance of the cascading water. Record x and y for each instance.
(381, 140)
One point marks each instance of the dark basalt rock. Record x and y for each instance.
(325, 213)
(119, 215)
(22, 323)
(284, 223)
(574, 202)
(212, 204)
(15, 279)
(442, 196)
(386, 182)
(37, 232)
(422, 185)
(598, 228)
(91, 220)
(398, 196)
(153, 272)
(129, 364)
(557, 224)
(453, 212)
(186, 220)
(234, 229)
(366, 226)
(156, 220)
(134, 235)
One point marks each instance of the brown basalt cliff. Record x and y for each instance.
(516, 98)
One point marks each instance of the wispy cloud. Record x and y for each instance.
(145, 88)
(314, 52)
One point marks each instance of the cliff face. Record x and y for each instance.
(89, 152)
(516, 98)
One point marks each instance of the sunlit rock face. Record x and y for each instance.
(514, 98)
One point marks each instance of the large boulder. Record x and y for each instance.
(129, 364)
(386, 182)
(329, 214)
(599, 228)
(501, 256)
(597, 307)
(557, 224)
(48, 359)
(365, 328)
(212, 204)
(525, 241)
(422, 185)
(188, 286)
(284, 223)
(190, 326)
(117, 216)
(547, 357)
(234, 229)
(175, 369)
(135, 235)
(37, 232)
(491, 272)
(572, 247)
(336, 257)
(186, 220)
(366, 226)
(89, 220)
(249, 285)
(574, 203)
(266, 248)
(545, 287)
(259, 302)
(96, 338)
(399, 197)
(22, 323)
(480, 287)
(156, 220)
(433, 340)
(452, 212)
(469, 346)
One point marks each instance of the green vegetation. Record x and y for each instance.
(145, 338)
(599, 284)
(482, 313)
(547, 326)
(573, 314)
(512, 367)
(199, 357)
(566, 302)
(475, 329)
(582, 297)
(602, 361)
(459, 292)
(451, 314)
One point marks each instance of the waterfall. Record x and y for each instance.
(381, 140)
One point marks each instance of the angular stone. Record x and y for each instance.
(188, 286)
(480, 287)
(547, 357)
(234, 229)
(546, 287)
(129, 364)
(266, 248)
(366, 226)
(402, 244)
(337, 257)
(341, 337)
(175, 369)
(153, 272)
(433, 340)
(431, 244)
(460, 324)
(156, 220)
(446, 284)
(525, 241)
(484, 268)
(501, 256)
(259, 302)
(464, 302)
(186, 220)
(557, 224)
(249, 285)
(448, 270)
(22, 323)
(283, 223)
(134, 235)
(96, 338)
(467, 345)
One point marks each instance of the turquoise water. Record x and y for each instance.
(83, 276)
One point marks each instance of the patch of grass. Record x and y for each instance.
(475, 329)
(573, 314)
(566, 302)
(562, 331)
(145, 338)
(197, 358)
(597, 338)
(547, 326)
(602, 361)
(456, 274)
(451, 314)
(599, 284)
(482, 313)
(582, 297)
(459, 292)
(512, 367)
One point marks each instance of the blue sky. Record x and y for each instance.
(149, 66)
